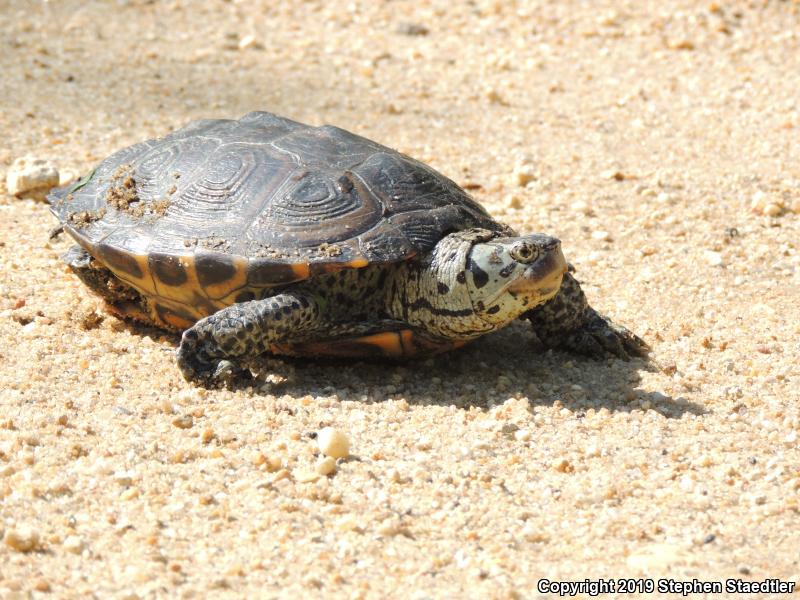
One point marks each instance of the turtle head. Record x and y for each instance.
(508, 276)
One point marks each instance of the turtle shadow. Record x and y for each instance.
(484, 374)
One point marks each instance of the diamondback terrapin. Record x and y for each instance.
(267, 235)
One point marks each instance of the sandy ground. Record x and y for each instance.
(647, 131)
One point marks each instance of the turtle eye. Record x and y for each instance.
(524, 252)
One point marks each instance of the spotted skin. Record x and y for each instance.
(567, 322)
(208, 349)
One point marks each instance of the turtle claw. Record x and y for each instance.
(598, 337)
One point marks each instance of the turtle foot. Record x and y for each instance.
(599, 337)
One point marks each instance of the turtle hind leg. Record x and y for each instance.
(218, 346)
(121, 299)
(567, 322)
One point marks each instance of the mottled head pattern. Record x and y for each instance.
(508, 276)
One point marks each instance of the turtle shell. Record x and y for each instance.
(220, 208)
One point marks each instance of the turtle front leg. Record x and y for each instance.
(214, 348)
(567, 322)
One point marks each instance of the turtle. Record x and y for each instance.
(264, 235)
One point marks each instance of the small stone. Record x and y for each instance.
(413, 29)
(513, 201)
(73, 544)
(680, 44)
(522, 435)
(248, 41)
(523, 174)
(183, 422)
(325, 466)
(563, 466)
(391, 527)
(31, 330)
(129, 494)
(349, 522)
(713, 258)
(770, 206)
(31, 177)
(392, 109)
(614, 174)
(603, 236)
(23, 539)
(532, 533)
(208, 435)
(305, 476)
(494, 97)
(273, 464)
(333, 443)
(124, 478)
(581, 207)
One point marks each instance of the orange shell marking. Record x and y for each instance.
(405, 343)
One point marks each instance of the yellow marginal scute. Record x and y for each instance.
(233, 283)
(145, 283)
(184, 291)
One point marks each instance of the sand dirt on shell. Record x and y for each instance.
(659, 141)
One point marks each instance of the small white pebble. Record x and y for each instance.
(248, 41)
(772, 210)
(665, 198)
(531, 533)
(424, 444)
(73, 544)
(522, 435)
(601, 235)
(124, 478)
(390, 527)
(581, 207)
(305, 476)
(758, 202)
(592, 449)
(713, 258)
(23, 539)
(325, 466)
(30, 330)
(333, 443)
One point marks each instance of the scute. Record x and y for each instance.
(225, 207)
